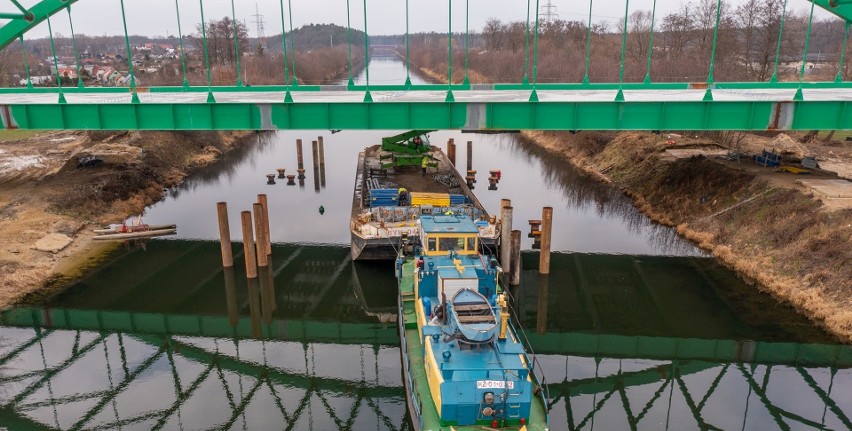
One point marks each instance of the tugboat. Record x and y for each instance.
(397, 181)
(465, 364)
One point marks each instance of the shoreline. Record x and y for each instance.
(58, 198)
(814, 291)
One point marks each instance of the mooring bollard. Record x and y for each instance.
(261, 199)
(225, 235)
(546, 228)
(260, 234)
(515, 273)
(248, 245)
(469, 156)
(451, 151)
(506, 239)
(472, 173)
(291, 180)
(281, 173)
(270, 179)
(301, 172)
(492, 183)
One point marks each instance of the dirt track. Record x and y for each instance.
(64, 184)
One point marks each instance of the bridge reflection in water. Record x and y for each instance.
(164, 344)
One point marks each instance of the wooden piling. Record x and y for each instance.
(546, 228)
(506, 239)
(248, 245)
(261, 199)
(321, 161)
(542, 304)
(225, 235)
(515, 273)
(451, 151)
(254, 307)
(299, 155)
(469, 156)
(260, 235)
(315, 161)
(231, 296)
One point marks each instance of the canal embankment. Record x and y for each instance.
(776, 234)
(55, 187)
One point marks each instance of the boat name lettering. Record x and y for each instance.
(494, 384)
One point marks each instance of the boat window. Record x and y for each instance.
(447, 244)
(431, 242)
(471, 243)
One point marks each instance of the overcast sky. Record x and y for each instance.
(157, 17)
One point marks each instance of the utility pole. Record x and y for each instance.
(259, 23)
(548, 12)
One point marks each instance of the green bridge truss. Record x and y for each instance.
(622, 105)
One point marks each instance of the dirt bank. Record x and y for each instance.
(764, 224)
(56, 187)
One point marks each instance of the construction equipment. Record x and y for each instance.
(410, 142)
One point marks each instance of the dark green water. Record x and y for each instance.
(634, 328)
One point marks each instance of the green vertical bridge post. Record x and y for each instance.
(773, 105)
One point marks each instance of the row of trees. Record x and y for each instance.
(746, 46)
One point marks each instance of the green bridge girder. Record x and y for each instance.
(306, 331)
(601, 106)
(19, 25)
(592, 108)
(841, 8)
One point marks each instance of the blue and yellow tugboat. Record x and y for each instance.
(465, 365)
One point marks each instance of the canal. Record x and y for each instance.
(634, 327)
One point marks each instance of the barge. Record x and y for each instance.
(398, 181)
(465, 365)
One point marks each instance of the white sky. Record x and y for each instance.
(157, 17)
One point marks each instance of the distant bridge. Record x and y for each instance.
(647, 105)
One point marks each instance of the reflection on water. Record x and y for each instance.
(624, 341)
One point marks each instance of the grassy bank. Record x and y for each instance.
(782, 240)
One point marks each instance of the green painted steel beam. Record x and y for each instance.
(22, 24)
(655, 115)
(841, 8)
(692, 349)
(200, 326)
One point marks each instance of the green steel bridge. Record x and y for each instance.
(182, 357)
(646, 105)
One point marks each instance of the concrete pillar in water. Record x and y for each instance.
(321, 161)
(300, 160)
(248, 245)
(261, 199)
(451, 151)
(260, 234)
(315, 154)
(546, 228)
(541, 306)
(231, 296)
(469, 156)
(225, 235)
(515, 273)
(506, 239)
